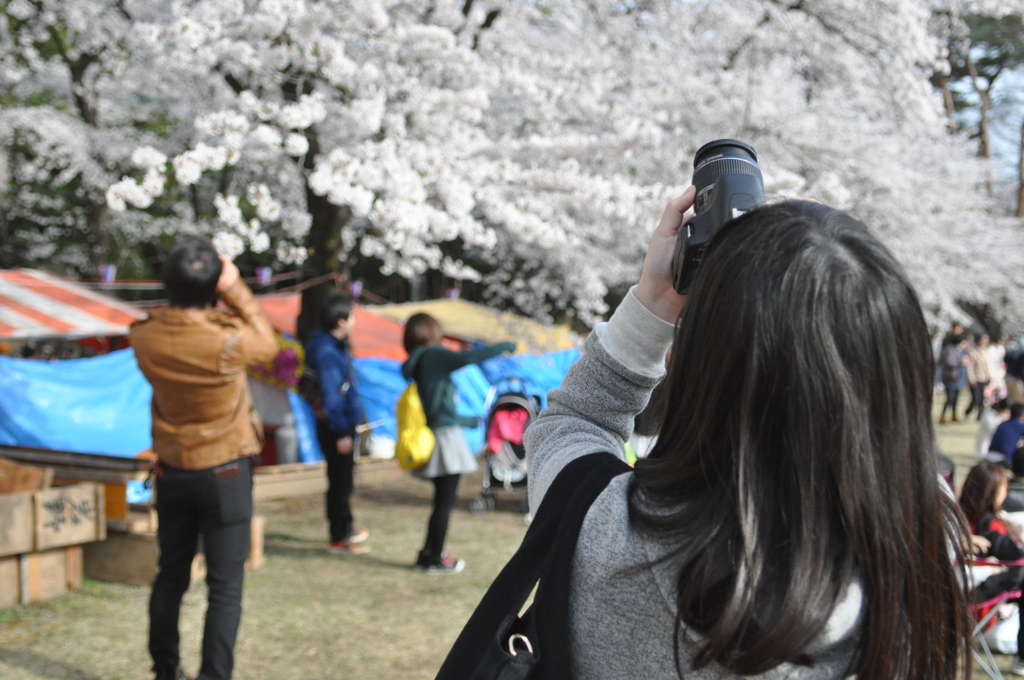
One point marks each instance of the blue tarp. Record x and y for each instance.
(98, 405)
(381, 383)
(101, 405)
(305, 429)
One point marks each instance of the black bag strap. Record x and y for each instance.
(551, 603)
(545, 555)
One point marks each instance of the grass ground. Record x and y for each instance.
(309, 615)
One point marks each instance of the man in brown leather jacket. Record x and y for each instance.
(205, 429)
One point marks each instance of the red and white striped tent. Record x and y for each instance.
(34, 304)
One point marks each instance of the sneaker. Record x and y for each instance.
(446, 565)
(358, 537)
(347, 548)
(1018, 667)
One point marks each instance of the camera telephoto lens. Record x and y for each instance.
(729, 183)
(717, 158)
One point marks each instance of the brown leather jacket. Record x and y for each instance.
(195, 359)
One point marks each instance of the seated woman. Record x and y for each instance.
(788, 521)
(981, 499)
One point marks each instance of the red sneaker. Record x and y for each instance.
(347, 548)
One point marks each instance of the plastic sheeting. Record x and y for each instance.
(381, 383)
(543, 372)
(305, 429)
(473, 322)
(101, 405)
(98, 405)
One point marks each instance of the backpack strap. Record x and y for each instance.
(546, 555)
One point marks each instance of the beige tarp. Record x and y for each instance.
(472, 322)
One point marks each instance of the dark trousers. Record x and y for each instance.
(952, 396)
(217, 504)
(445, 495)
(977, 398)
(339, 483)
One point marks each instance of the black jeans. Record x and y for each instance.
(217, 503)
(339, 482)
(977, 398)
(445, 495)
(952, 396)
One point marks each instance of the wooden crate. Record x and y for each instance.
(19, 478)
(39, 575)
(120, 515)
(279, 481)
(132, 557)
(52, 518)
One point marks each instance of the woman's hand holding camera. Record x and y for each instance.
(655, 289)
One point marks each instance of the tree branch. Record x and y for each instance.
(77, 67)
(827, 25)
(734, 55)
(488, 22)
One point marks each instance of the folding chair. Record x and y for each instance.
(987, 663)
(991, 609)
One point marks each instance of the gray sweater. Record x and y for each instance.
(622, 609)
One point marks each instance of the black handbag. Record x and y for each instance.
(498, 644)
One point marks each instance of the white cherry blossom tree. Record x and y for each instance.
(527, 148)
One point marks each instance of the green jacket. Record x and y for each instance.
(431, 367)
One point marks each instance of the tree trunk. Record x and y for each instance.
(324, 245)
(99, 243)
(947, 100)
(985, 145)
(1020, 175)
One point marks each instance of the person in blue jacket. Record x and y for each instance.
(1007, 436)
(338, 413)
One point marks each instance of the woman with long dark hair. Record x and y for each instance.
(984, 491)
(789, 521)
(431, 364)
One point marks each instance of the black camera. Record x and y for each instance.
(729, 183)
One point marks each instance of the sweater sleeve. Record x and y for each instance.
(593, 409)
(448, 361)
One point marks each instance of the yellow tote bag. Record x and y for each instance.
(415, 440)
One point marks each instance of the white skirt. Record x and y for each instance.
(451, 455)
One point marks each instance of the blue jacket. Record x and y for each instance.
(1005, 438)
(332, 361)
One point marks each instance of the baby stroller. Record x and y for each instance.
(511, 405)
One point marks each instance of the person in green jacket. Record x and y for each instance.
(431, 365)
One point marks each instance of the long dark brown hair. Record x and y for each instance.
(797, 453)
(978, 495)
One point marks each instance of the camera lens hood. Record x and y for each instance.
(722, 144)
